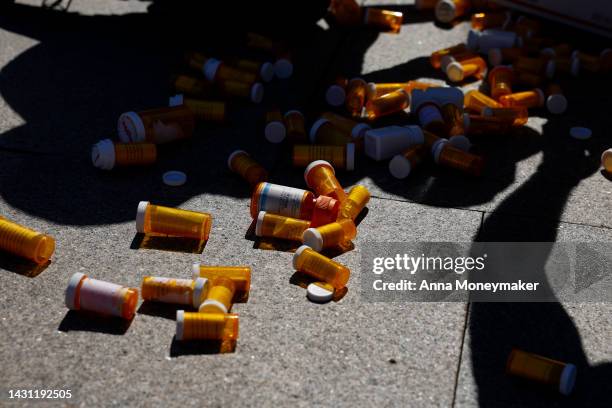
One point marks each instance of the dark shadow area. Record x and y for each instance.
(199, 347)
(21, 266)
(167, 243)
(302, 280)
(85, 321)
(159, 309)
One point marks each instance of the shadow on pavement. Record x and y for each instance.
(85, 321)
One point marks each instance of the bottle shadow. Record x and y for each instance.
(90, 322)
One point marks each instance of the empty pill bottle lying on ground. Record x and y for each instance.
(241, 163)
(387, 104)
(384, 20)
(107, 155)
(356, 200)
(156, 126)
(446, 155)
(320, 267)
(341, 157)
(281, 227)
(356, 96)
(275, 130)
(401, 165)
(544, 370)
(191, 292)
(220, 297)
(296, 129)
(206, 326)
(320, 176)
(206, 110)
(330, 235)
(350, 129)
(24, 242)
(253, 92)
(215, 71)
(105, 298)
(240, 275)
(159, 220)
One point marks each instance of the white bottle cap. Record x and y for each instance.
(400, 167)
(258, 224)
(275, 132)
(312, 237)
(73, 284)
(283, 68)
(266, 72)
(195, 270)
(231, 157)
(174, 178)
(314, 164)
(103, 154)
(445, 61)
(568, 379)
(575, 67)
(359, 130)
(473, 40)
(495, 57)
(210, 68)
(455, 72)
(319, 294)
(257, 92)
(180, 324)
(437, 147)
(335, 95)
(460, 142)
(176, 100)
(551, 67)
(214, 304)
(140, 216)
(130, 128)
(350, 156)
(371, 90)
(446, 11)
(315, 128)
(556, 104)
(297, 254)
(200, 291)
(580, 133)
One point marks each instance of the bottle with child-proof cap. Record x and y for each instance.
(156, 126)
(156, 219)
(106, 155)
(191, 292)
(341, 157)
(24, 242)
(105, 298)
(321, 177)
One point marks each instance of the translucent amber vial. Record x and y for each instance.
(263, 70)
(178, 291)
(498, 56)
(449, 10)
(458, 70)
(275, 130)
(518, 116)
(323, 132)
(454, 118)
(402, 165)
(528, 99)
(106, 155)
(476, 101)
(436, 57)
(320, 176)
(209, 111)
(540, 65)
(330, 235)
(240, 162)
(387, 104)
(384, 20)
(155, 219)
(253, 92)
(376, 90)
(295, 124)
(356, 96)
(493, 19)
(240, 275)
(489, 126)
(84, 293)
(220, 296)
(215, 70)
(358, 197)
(341, 157)
(320, 267)
(606, 160)
(156, 126)
(206, 326)
(278, 226)
(192, 86)
(24, 242)
(543, 370)
(500, 81)
(448, 156)
(347, 126)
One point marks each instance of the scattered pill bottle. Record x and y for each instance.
(93, 295)
(240, 162)
(436, 57)
(498, 56)
(376, 90)
(590, 63)
(106, 155)
(320, 176)
(263, 70)
(449, 10)
(156, 126)
(489, 126)
(454, 118)
(482, 21)
(281, 227)
(330, 235)
(500, 81)
(24, 242)
(282, 200)
(324, 132)
(476, 101)
(356, 96)
(401, 165)
(449, 59)
(358, 197)
(263, 43)
(384, 20)
(240, 275)
(387, 104)
(206, 326)
(341, 157)
(458, 70)
(295, 124)
(192, 86)
(348, 126)
(335, 95)
(275, 130)
(448, 156)
(215, 70)
(320, 267)
(209, 111)
(155, 219)
(178, 291)
(430, 117)
(518, 115)
(483, 41)
(253, 92)
(528, 99)
(606, 160)
(541, 369)
(220, 296)
(556, 102)
(568, 66)
(384, 143)
(539, 65)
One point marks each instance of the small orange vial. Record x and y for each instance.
(220, 296)
(324, 132)
(240, 275)
(263, 70)
(278, 226)
(376, 90)
(178, 291)
(497, 56)
(457, 71)
(541, 369)
(342, 157)
(156, 126)
(518, 116)
(209, 111)
(448, 10)
(556, 102)
(436, 57)
(320, 267)
(402, 165)
(206, 326)
(155, 219)
(356, 96)
(541, 65)
(500, 81)
(215, 70)
(388, 104)
(528, 99)
(295, 124)
(192, 86)
(348, 126)
(84, 293)
(241, 163)
(330, 235)
(106, 155)
(25, 242)
(245, 90)
(489, 126)
(449, 156)
(384, 20)
(606, 160)
(321, 177)
(476, 101)
(482, 21)
(358, 197)
(275, 130)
